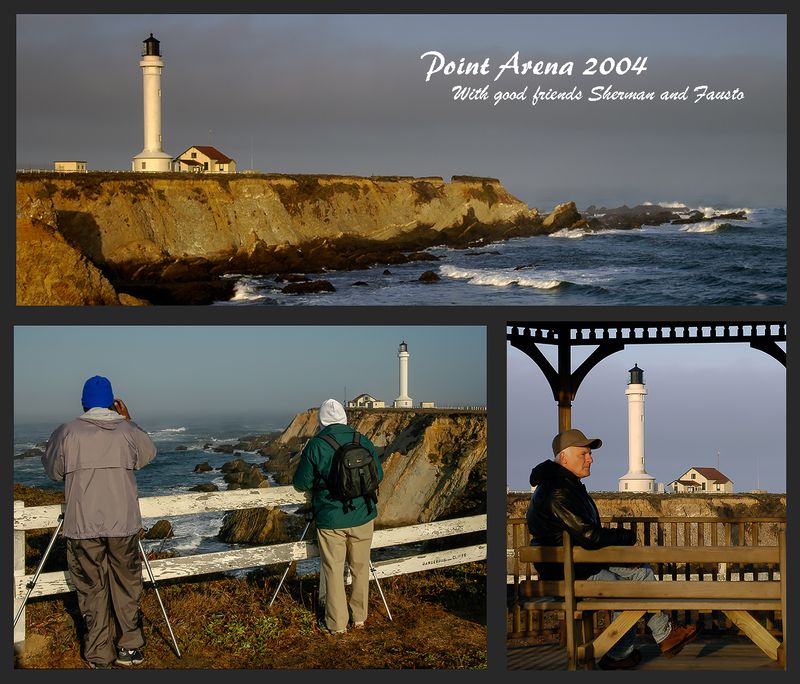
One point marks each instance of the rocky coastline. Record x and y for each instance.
(434, 468)
(138, 239)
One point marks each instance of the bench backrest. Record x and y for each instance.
(750, 556)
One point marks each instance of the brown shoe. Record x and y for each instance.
(629, 661)
(677, 639)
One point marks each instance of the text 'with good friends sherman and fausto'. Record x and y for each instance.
(629, 68)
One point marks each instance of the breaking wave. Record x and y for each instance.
(497, 278)
(706, 211)
(247, 290)
(166, 433)
(707, 227)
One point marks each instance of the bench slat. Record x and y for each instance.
(532, 588)
(655, 604)
(678, 591)
(654, 554)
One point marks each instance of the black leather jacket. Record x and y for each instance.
(561, 503)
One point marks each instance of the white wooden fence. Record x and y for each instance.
(49, 583)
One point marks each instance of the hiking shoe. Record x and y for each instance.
(358, 625)
(128, 656)
(677, 639)
(629, 661)
(101, 666)
(323, 627)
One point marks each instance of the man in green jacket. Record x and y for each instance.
(344, 529)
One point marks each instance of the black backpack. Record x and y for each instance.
(353, 473)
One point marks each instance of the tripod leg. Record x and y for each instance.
(33, 581)
(286, 572)
(380, 591)
(158, 596)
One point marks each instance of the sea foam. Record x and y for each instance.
(705, 227)
(247, 290)
(497, 278)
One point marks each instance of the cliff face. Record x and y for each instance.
(51, 270)
(133, 218)
(431, 459)
(167, 237)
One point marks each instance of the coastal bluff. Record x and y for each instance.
(169, 238)
(434, 463)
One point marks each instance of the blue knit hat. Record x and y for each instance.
(97, 392)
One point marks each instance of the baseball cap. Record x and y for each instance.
(569, 438)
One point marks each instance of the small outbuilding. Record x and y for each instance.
(70, 166)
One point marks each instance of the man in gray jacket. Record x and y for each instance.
(95, 455)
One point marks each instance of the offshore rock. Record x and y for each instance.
(206, 487)
(161, 530)
(309, 287)
(242, 475)
(563, 216)
(261, 526)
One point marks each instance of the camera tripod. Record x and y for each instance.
(32, 582)
(371, 567)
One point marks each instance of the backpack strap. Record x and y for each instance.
(330, 441)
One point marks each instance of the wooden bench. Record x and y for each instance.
(580, 599)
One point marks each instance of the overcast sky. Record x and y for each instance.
(225, 371)
(347, 94)
(701, 399)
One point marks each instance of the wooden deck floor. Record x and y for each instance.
(705, 653)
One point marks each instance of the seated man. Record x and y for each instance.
(560, 503)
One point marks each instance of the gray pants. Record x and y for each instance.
(107, 573)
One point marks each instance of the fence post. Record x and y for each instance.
(19, 571)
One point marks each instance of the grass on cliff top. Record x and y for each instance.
(220, 622)
(226, 623)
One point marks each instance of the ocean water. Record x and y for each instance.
(714, 262)
(170, 472)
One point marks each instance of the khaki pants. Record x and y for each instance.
(352, 543)
(107, 573)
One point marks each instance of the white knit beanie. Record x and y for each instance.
(332, 412)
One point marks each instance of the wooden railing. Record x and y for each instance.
(653, 531)
(50, 583)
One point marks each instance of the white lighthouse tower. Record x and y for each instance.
(636, 479)
(152, 157)
(403, 401)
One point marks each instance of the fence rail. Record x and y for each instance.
(51, 583)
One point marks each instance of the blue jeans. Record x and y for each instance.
(658, 623)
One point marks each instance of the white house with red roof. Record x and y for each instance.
(708, 480)
(365, 401)
(204, 159)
